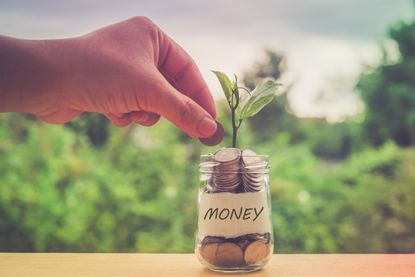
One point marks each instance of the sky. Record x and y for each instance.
(327, 43)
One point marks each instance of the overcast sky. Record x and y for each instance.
(326, 42)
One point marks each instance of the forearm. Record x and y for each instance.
(26, 73)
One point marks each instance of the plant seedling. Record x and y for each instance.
(248, 104)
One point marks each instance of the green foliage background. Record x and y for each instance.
(344, 187)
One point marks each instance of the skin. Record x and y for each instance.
(130, 71)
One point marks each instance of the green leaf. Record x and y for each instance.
(226, 84)
(235, 83)
(260, 97)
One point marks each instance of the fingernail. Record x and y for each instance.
(207, 127)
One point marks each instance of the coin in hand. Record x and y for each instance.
(216, 138)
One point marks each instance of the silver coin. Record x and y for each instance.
(250, 157)
(227, 154)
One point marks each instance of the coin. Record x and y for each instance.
(256, 252)
(208, 252)
(216, 138)
(229, 254)
(250, 157)
(211, 239)
(227, 154)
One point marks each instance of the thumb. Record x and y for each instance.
(181, 110)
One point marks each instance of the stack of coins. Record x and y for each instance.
(207, 167)
(233, 170)
(247, 250)
(226, 177)
(252, 171)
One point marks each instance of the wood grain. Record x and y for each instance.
(54, 264)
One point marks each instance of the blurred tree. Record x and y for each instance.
(58, 193)
(277, 117)
(389, 93)
(94, 126)
(330, 141)
(272, 67)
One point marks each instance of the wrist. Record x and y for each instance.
(29, 74)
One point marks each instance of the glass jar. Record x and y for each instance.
(234, 231)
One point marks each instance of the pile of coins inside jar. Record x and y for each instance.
(233, 252)
(235, 171)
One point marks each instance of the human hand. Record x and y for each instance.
(129, 71)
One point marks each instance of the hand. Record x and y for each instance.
(130, 71)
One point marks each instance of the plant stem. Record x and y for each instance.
(234, 128)
(233, 106)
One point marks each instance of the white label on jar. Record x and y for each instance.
(233, 214)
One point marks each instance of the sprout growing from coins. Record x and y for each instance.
(243, 104)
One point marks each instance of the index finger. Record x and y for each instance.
(182, 72)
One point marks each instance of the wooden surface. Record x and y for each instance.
(182, 265)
